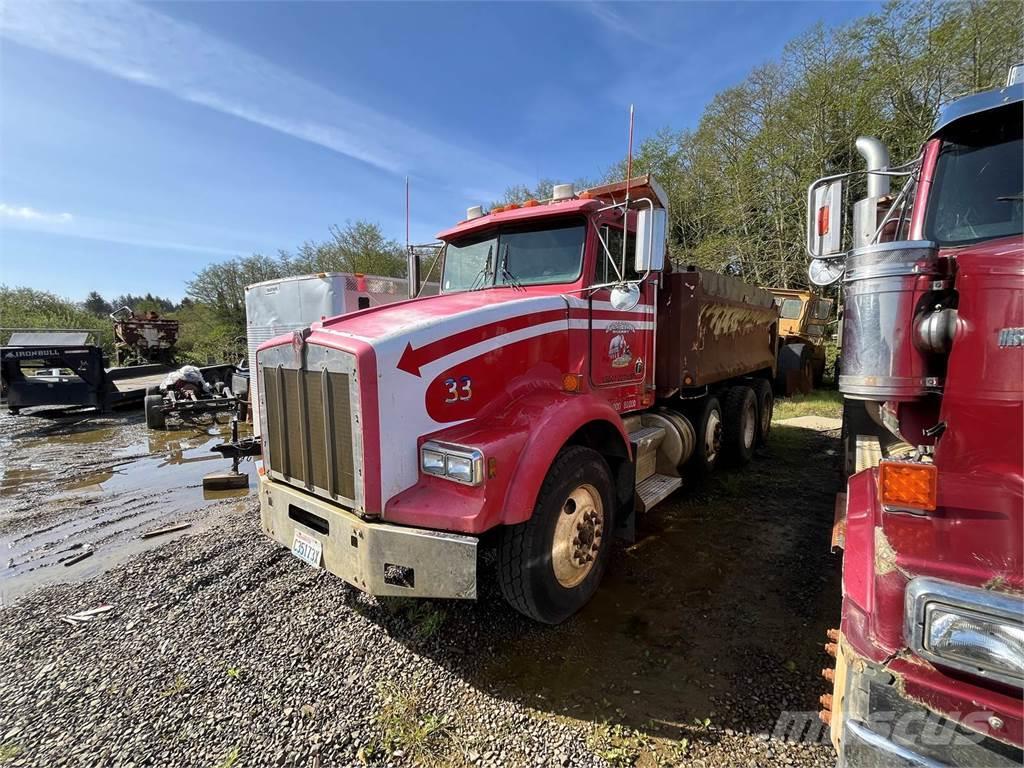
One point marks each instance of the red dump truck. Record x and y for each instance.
(930, 653)
(565, 378)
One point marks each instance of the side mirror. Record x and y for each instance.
(624, 297)
(825, 219)
(650, 240)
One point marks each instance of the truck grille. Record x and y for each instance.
(309, 429)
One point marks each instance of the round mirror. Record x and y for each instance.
(626, 296)
(824, 272)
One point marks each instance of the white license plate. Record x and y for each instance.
(307, 549)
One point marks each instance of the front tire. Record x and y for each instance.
(550, 566)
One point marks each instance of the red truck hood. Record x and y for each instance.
(430, 363)
(406, 317)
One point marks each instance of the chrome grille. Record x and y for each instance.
(309, 428)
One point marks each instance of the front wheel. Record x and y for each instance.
(551, 565)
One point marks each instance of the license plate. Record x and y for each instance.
(307, 549)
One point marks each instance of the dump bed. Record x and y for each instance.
(712, 327)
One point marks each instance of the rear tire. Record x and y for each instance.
(740, 423)
(765, 410)
(708, 451)
(550, 566)
(155, 417)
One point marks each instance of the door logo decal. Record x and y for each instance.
(620, 352)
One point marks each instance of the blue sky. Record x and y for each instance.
(139, 142)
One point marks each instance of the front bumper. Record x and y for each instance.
(378, 558)
(880, 727)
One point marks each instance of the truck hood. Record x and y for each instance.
(428, 364)
(407, 318)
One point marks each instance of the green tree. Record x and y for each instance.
(359, 246)
(29, 308)
(97, 305)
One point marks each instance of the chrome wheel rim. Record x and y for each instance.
(713, 436)
(749, 423)
(578, 535)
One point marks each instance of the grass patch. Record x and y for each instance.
(229, 759)
(180, 685)
(425, 616)
(620, 745)
(8, 752)
(404, 724)
(820, 402)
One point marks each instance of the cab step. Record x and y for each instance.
(646, 442)
(656, 489)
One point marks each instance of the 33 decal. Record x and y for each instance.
(459, 389)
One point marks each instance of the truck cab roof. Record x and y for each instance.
(977, 103)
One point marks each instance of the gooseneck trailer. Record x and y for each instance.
(929, 657)
(565, 378)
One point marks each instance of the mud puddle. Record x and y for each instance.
(78, 492)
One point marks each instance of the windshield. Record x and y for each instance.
(515, 256)
(789, 309)
(979, 180)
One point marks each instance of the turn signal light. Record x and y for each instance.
(530, 204)
(823, 220)
(908, 485)
(571, 382)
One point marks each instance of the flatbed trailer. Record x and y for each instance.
(28, 362)
(82, 380)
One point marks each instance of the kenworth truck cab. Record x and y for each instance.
(929, 657)
(553, 388)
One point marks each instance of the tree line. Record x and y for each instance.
(737, 181)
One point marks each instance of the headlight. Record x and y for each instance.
(975, 630)
(455, 462)
(432, 462)
(980, 641)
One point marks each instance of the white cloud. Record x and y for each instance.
(136, 43)
(613, 21)
(26, 218)
(25, 213)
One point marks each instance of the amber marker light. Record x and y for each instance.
(908, 485)
(571, 382)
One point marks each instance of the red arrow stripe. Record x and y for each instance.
(413, 358)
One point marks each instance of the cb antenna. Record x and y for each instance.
(629, 174)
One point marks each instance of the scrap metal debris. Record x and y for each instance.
(83, 617)
(78, 558)
(168, 529)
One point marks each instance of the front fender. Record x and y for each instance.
(552, 420)
(519, 446)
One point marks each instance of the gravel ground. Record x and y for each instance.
(223, 650)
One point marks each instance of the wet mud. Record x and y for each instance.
(78, 492)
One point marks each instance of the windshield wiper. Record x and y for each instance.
(507, 276)
(483, 274)
(1011, 198)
